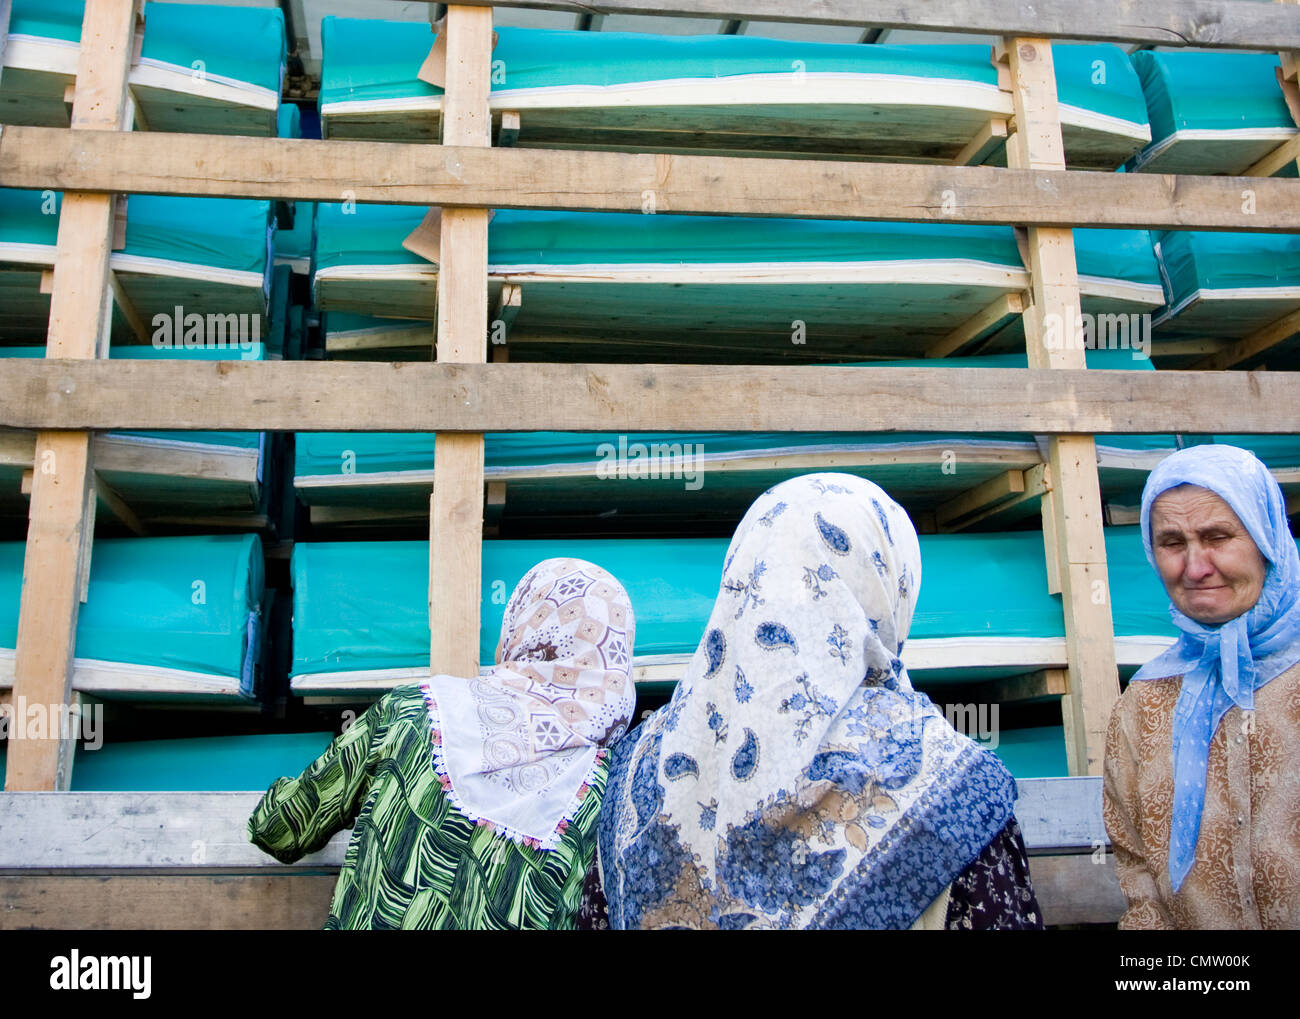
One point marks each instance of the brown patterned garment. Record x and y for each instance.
(1247, 869)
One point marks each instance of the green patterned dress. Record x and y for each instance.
(414, 860)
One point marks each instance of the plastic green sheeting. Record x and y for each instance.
(207, 764)
(373, 235)
(225, 233)
(239, 440)
(1195, 260)
(176, 603)
(364, 605)
(243, 43)
(369, 60)
(1210, 91)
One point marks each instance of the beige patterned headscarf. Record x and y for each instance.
(516, 747)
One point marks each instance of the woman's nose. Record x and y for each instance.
(1200, 563)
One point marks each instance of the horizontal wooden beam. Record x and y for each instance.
(144, 162)
(1228, 24)
(51, 393)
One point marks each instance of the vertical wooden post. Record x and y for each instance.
(59, 534)
(456, 506)
(1072, 509)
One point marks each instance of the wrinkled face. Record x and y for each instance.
(1210, 565)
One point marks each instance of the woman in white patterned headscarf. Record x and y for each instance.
(475, 799)
(795, 779)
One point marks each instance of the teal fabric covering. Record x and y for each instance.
(367, 60)
(373, 235)
(225, 233)
(48, 19)
(1037, 752)
(1210, 91)
(1204, 260)
(1277, 451)
(348, 619)
(240, 440)
(243, 43)
(205, 764)
(177, 603)
(29, 217)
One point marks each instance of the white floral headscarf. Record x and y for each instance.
(517, 746)
(796, 779)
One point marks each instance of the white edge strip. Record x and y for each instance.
(920, 654)
(149, 266)
(954, 272)
(785, 89)
(94, 676)
(60, 56)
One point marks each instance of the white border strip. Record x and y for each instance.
(103, 678)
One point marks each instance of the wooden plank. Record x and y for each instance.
(1072, 512)
(1284, 155)
(1078, 888)
(988, 321)
(1211, 23)
(951, 515)
(138, 830)
(990, 138)
(1253, 345)
(1030, 687)
(456, 504)
(315, 396)
(116, 831)
(56, 565)
(508, 133)
(386, 172)
(88, 902)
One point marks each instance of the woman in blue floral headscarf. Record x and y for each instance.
(1202, 789)
(795, 779)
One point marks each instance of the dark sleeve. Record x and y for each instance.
(994, 892)
(593, 912)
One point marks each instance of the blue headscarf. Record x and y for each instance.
(1223, 665)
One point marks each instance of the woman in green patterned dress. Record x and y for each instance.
(474, 802)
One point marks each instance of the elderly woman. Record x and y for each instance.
(795, 779)
(1202, 784)
(474, 801)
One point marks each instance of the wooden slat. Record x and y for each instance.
(1284, 155)
(1229, 24)
(56, 565)
(992, 318)
(951, 515)
(1256, 343)
(456, 505)
(1078, 888)
(1072, 509)
(100, 902)
(991, 137)
(420, 397)
(306, 170)
(107, 831)
(1030, 687)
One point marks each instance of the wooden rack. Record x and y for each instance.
(75, 392)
